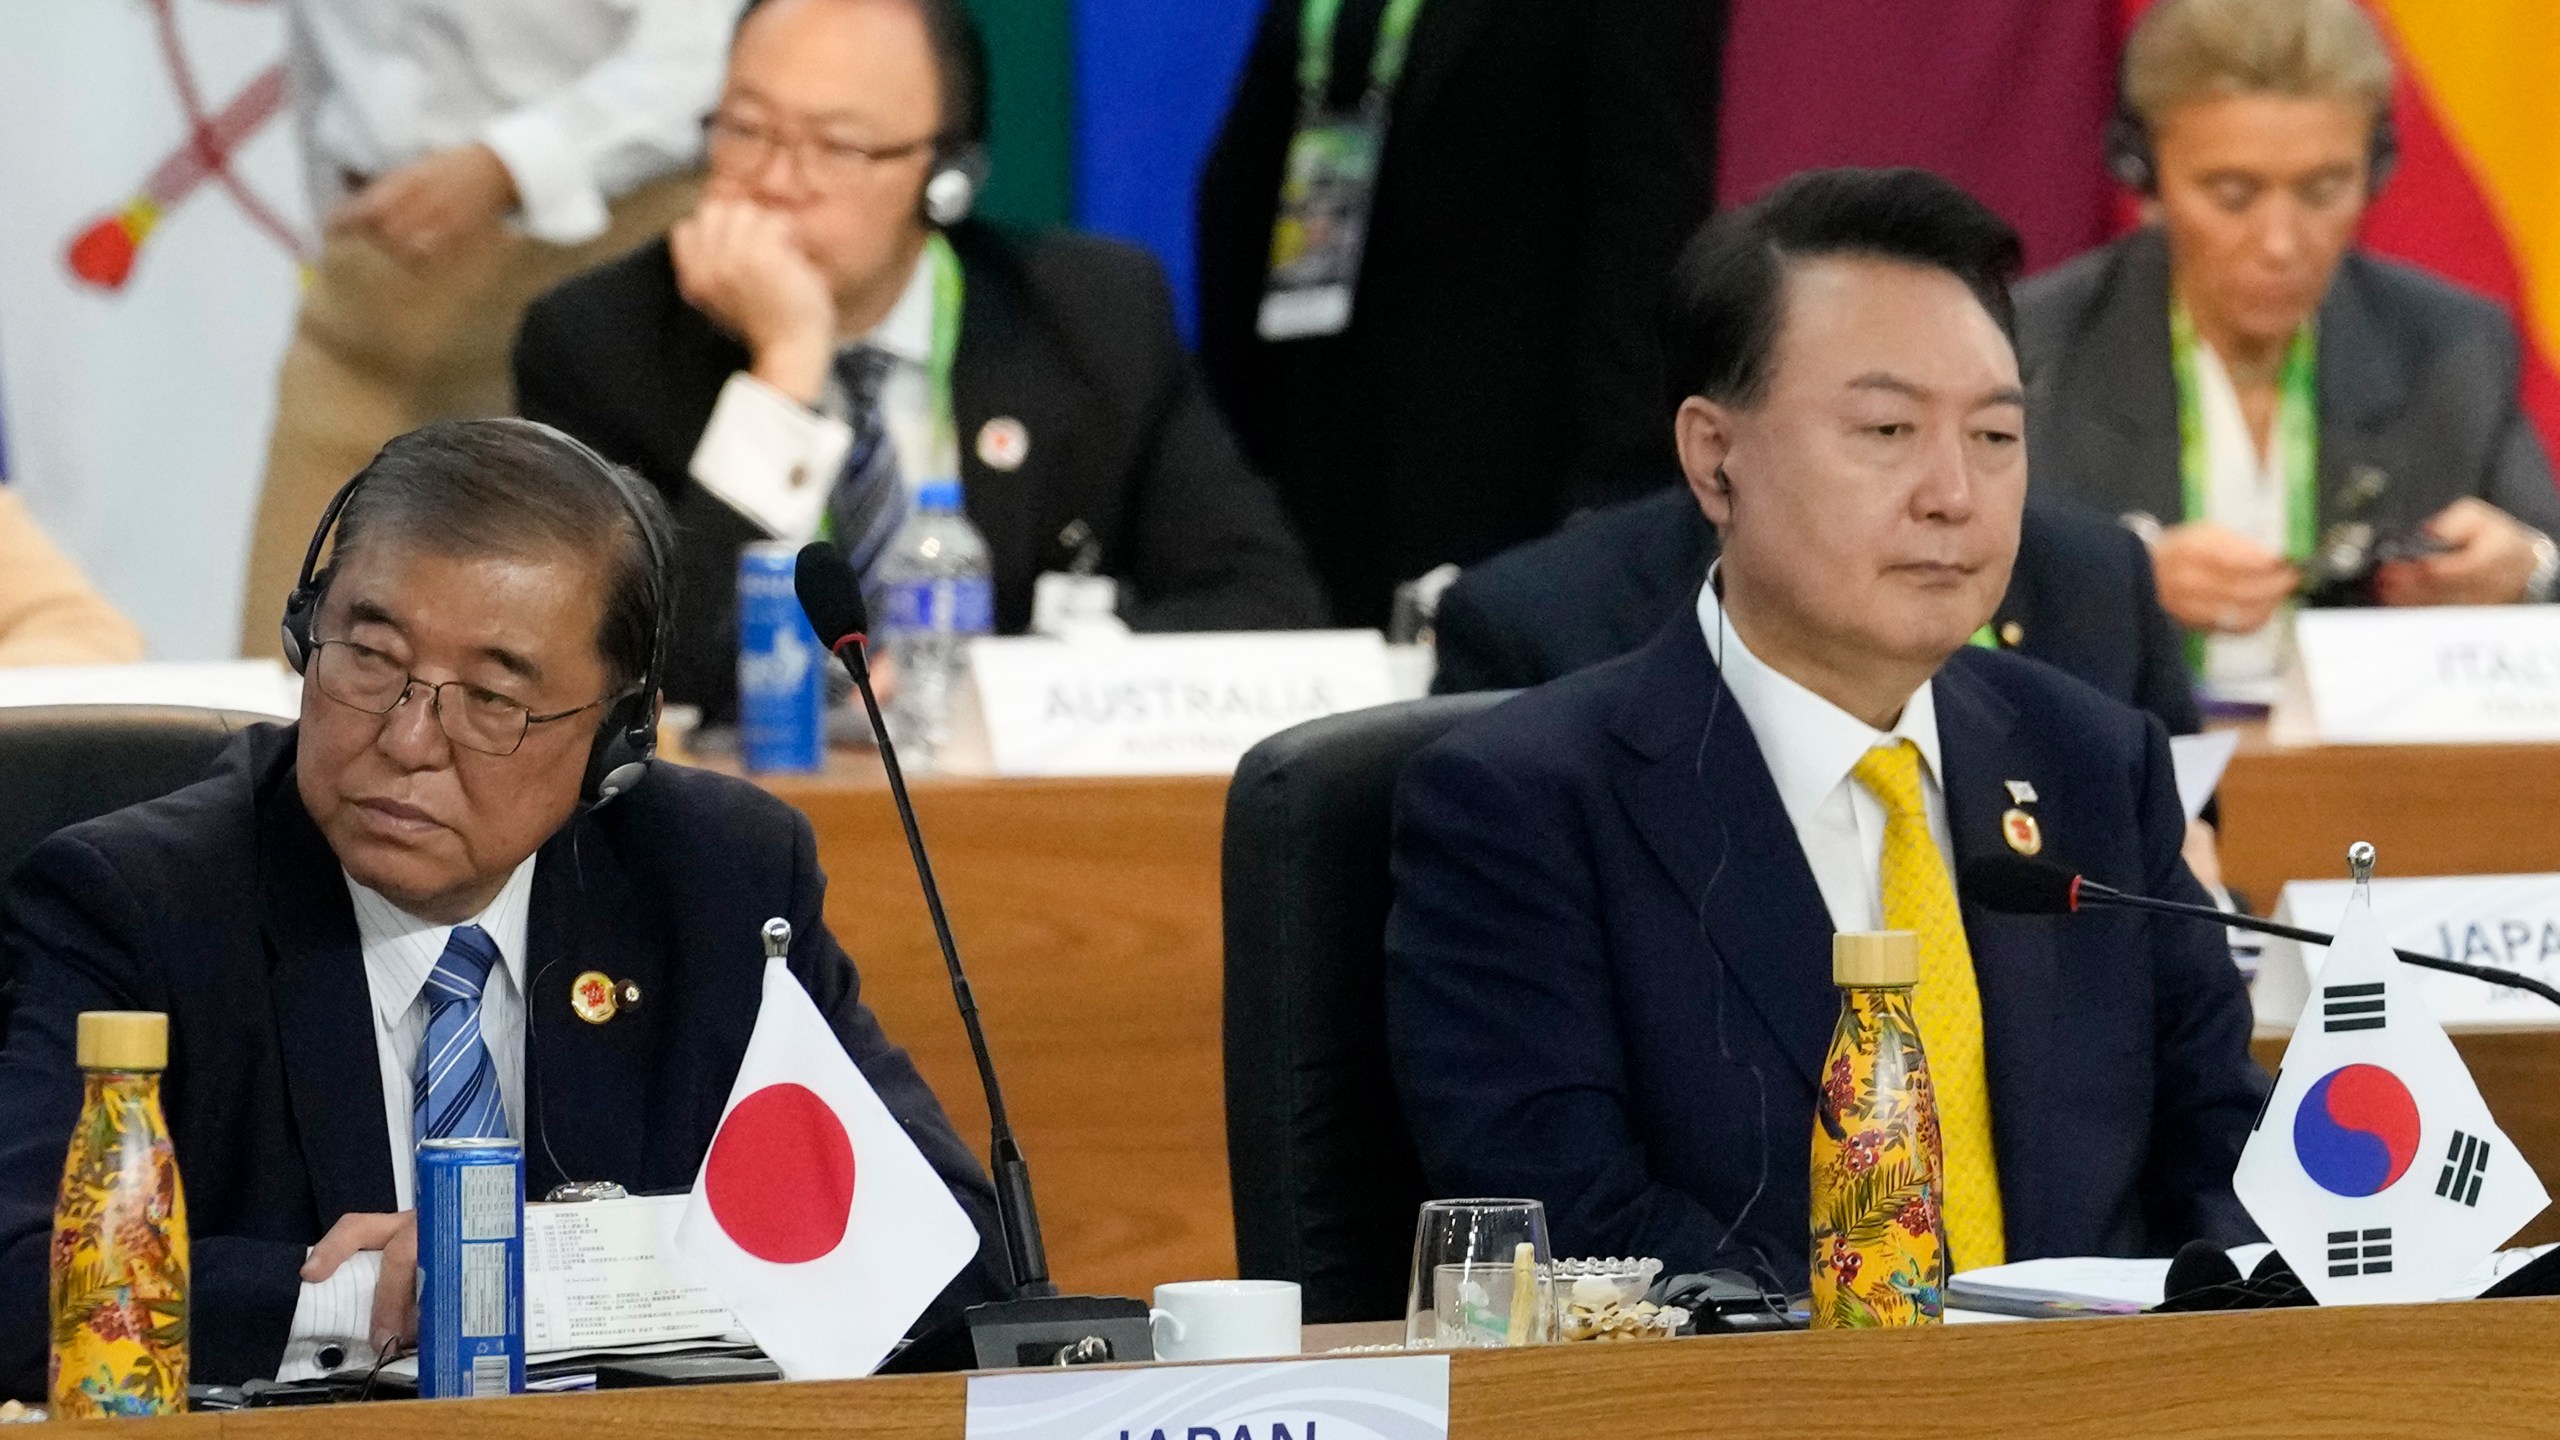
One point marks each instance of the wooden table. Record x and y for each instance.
(2477, 1370)
(2290, 813)
(1089, 913)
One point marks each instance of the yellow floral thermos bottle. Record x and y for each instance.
(1879, 1243)
(119, 1259)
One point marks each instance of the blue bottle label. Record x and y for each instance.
(961, 605)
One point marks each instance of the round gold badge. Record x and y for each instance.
(592, 996)
(2021, 831)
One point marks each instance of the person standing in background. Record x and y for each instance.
(2282, 418)
(1431, 234)
(463, 157)
(49, 613)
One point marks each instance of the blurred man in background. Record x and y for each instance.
(1430, 238)
(463, 156)
(2283, 418)
(49, 614)
(828, 323)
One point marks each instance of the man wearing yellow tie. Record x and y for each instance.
(1609, 981)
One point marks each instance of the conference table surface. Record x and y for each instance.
(1089, 913)
(2479, 1369)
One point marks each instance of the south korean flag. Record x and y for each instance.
(2374, 1166)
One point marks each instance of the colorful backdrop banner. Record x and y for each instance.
(149, 245)
(2477, 193)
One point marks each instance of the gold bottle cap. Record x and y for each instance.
(1864, 959)
(124, 1040)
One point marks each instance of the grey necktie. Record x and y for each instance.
(869, 499)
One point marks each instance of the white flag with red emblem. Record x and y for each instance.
(815, 1219)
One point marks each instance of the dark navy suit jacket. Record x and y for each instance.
(223, 906)
(1609, 971)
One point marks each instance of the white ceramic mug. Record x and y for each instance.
(1225, 1319)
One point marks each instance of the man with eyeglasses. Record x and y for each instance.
(376, 926)
(828, 331)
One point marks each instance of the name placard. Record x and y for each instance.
(2432, 675)
(1378, 1397)
(1165, 704)
(2505, 922)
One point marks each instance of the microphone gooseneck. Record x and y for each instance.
(2016, 885)
(832, 599)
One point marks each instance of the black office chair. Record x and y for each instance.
(1324, 1175)
(62, 764)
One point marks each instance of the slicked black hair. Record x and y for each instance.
(1721, 313)
(959, 54)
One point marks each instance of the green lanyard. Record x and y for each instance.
(1315, 48)
(947, 296)
(2297, 430)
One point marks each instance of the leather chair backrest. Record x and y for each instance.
(62, 764)
(1325, 1178)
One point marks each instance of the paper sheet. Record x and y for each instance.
(2200, 761)
(605, 1273)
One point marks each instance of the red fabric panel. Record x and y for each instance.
(2009, 98)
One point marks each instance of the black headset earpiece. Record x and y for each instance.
(628, 738)
(300, 606)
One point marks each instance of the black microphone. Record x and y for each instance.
(2017, 885)
(1044, 1325)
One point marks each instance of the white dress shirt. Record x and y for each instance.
(759, 438)
(400, 952)
(582, 99)
(1810, 746)
(2244, 492)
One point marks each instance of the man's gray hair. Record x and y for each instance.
(520, 489)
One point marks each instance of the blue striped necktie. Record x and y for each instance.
(457, 1088)
(869, 501)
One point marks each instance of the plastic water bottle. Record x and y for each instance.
(936, 595)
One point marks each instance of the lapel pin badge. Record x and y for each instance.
(598, 997)
(1003, 444)
(2021, 792)
(2021, 831)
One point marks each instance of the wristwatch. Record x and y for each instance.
(2545, 579)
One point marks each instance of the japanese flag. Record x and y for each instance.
(815, 1219)
(2375, 1167)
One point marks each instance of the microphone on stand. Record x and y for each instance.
(1042, 1327)
(2017, 885)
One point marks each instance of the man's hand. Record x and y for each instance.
(738, 263)
(395, 1295)
(418, 211)
(2491, 559)
(2203, 853)
(2214, 579)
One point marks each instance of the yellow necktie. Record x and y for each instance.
(1919, 897)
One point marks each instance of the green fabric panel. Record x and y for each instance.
(1031, 53)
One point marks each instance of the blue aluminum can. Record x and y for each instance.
(782, 679)
(470, 1268)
